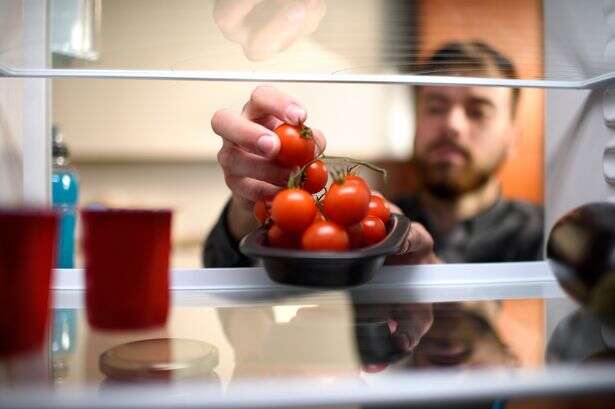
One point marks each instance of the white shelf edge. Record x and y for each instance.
(600, 81)
(412, 276)
(502, 280)
(418, 388)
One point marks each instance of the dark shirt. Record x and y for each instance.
(507, 231)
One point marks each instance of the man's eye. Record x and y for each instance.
(436, 109)
(476, 113)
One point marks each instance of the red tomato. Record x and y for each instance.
(356, 178)
(373, 230)
(277, 237)
(325, 236)
(293, 210)
(315, 177)
(355, 234)
(262, 210)
(379, 207)
(297, 145)
(346, 203)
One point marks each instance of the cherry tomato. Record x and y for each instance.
(293, 210)
(277, 237)
(346, 203)
(297, 145)
(262, 209)
(315, 177)
(356, 178)
(355, 235)
(373, 230)
(325, 236)
(379, 207)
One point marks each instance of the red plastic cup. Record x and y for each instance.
(27, 253)
(126, 267)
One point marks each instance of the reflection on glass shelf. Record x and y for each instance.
(343, 339)
(555, 43)
(337, 340)
(217, 353)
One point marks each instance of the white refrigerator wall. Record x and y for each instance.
(576, 140)
(578, 37)
(24, 130)
(10, 103)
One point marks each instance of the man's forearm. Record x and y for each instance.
(221, 247)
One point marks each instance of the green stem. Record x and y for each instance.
(320, 207)
(306, 132)
(296, 178)
(357, 162)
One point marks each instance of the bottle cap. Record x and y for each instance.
(58, 147)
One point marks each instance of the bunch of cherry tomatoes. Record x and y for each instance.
(345, 216)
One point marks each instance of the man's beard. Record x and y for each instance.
(449, 182)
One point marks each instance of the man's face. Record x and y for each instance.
(463, 135)
(463, 335)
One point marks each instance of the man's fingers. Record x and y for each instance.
(291, 21)
(319, 140)
(266, 100)
(268, 121)
(414, 320)
(406, 244)
(246, 134)
(316, 11)
(230, 16)
(418, 240)
(416, 249)
(250, 189)
(236, 162)
(265, 28)
(271, 107)
(249, 145)
(285, 26)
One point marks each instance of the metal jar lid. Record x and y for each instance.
(159, 359)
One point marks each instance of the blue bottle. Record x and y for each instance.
(64, 194)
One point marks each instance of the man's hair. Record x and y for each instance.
(473, 59)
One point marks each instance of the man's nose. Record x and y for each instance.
(456, 123)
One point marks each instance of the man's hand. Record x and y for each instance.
(408, 322)
(266, 27)
(418, 246)
(248, 147)
(417, 249)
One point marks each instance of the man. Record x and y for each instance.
(463, 136)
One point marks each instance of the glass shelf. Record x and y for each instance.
(322, 41)
(600, 81)
(274, 348)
